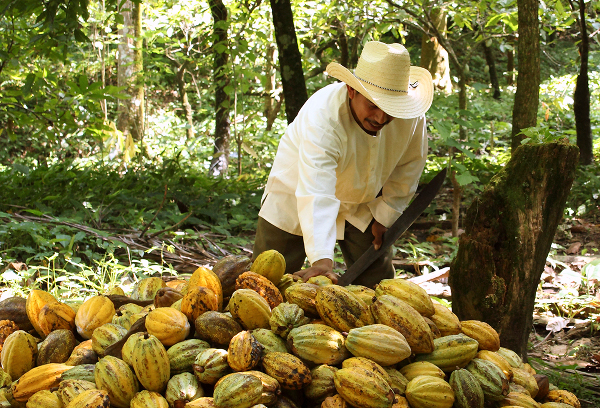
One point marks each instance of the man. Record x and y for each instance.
(348, 165)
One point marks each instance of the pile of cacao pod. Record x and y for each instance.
(245, 335)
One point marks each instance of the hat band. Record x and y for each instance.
(380, 87)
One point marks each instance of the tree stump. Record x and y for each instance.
(509, 230)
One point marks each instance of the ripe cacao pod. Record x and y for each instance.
(409, 292)
(93, 313)
(363, 388)
(486, 335)
(55, 316)
(270, 341)
(151, 363)
(18, 354)
(39, 378)
(216, 328)
(429, 392)
(451, 352)
(115, 376)
(244, 352)
(261, 285)
(146, 288)
(287, 369)
(303, 295)
(36, 300)
(208, 279)
(467, 390)
(250, 309)
(148, 399)
(318, 343)
(197, 301)
(91, 399)
(446, 321)
(322, 385)
(210, 365)
(341, 309)
(382, 344)
(56, 347)
(399, 315)
(285, 317)
(418, 368)
(270, 264)
(238, 390)
(169, 325)
(68, 390)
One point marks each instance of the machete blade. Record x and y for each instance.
(412, 212)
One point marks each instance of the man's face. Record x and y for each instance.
(366, 113)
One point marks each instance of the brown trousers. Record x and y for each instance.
(354, 244)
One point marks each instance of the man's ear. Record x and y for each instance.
(351, 91)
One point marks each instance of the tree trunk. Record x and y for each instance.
(185, 103)
(509, 232)
(220, 160)
(510, 67)
(271, 109)
(581, 104)
(290, 60)
(130, 74)
(491, 63)
(528, 78)
(434, 57)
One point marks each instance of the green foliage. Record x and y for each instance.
(64, 196)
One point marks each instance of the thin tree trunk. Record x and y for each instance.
(581, 104)
(290, 60)
(342, 42)
(509, 230)
(510, 67)
(187, 108)
(433, 56)
(491, 63)
(220, 161)
(528, 79)
(271, 109)
(130, 73)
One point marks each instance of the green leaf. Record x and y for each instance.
(494, 20)
(80, 36)
(28, 82)
(466, 178)
(83, 83)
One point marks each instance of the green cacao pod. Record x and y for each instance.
(467, 390)
(491, 378)
(183, 354)
(363, 388)
(322, 384)
(270, 341)
(429, 392)
(382, 344)
(409, 292)
(238, 390)
(285, 317)
(341, 309)
(210, 365)
(151, 363)
(287, 369)
(115, 376)
(183, 387)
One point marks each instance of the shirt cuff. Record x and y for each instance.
(383, 213)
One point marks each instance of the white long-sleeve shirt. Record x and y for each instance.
(328, 170)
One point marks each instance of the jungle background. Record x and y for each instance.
(136, 137)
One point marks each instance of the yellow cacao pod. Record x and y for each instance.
(18, 354)
(303, 295)
(90, 399)
(270, 341)
(398, 381)
(250, 309)
(409, 292)
(380, 343)
(363, 388)
(203, 402)
(526, 380)
(115, 376)
(446, 321)
(368, 365)
(519, 400)
(318, 343)
(513, 358)
(151, 363)
(418, 368)
(363, 293)
(36, 300)
(270, 264)
(92, 314)
(429, 392)
(244, 352)
(486, 335)
(270, 388)
(497, 359)
(288, 370)
(396, 313)
(261, 285)
(148, 399)
(56, 316)
(105, 336)
(563, 396)
(207, 278)
(452, 351)
(335, 401)
(146, 288)
(197, 301)
(341, 309)
(39, 378)
(68, 390)
(44, 399)
(169, 325)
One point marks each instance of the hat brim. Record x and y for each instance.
(412, 104)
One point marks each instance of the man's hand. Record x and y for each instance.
(321, 267)
(378, 230)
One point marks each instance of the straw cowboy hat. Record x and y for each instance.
(384, 76)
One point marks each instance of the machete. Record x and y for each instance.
(409, 216)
